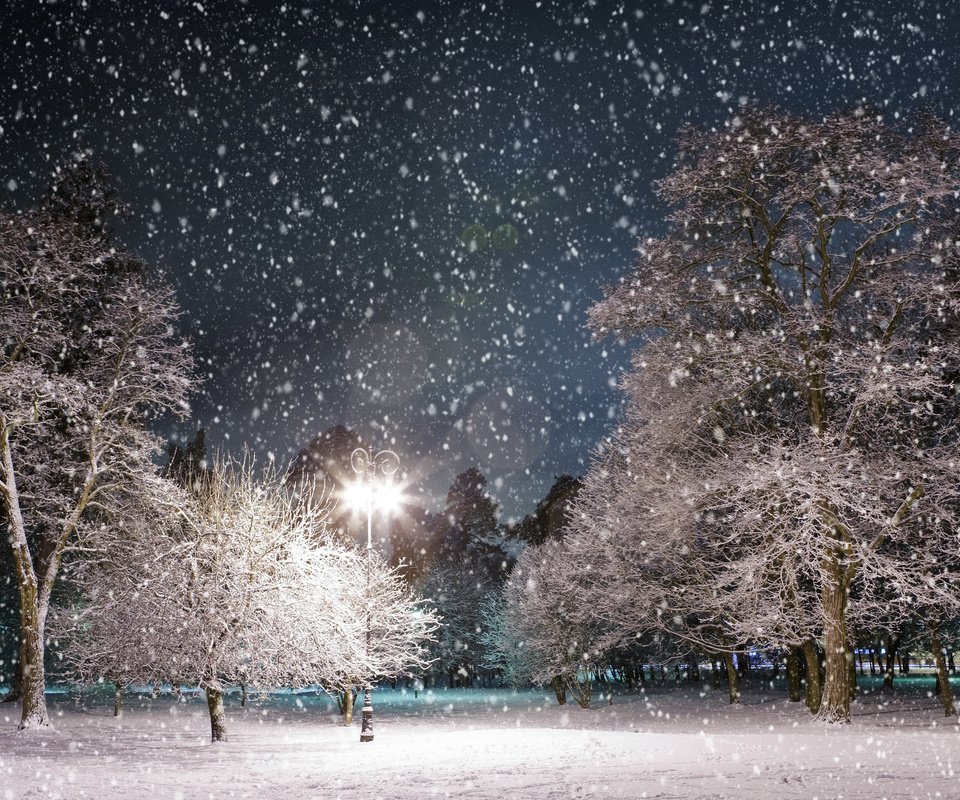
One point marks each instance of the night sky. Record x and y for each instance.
(395, 215)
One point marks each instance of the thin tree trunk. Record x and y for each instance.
(835, 705)
(793, 675)
(715, 672)
(733, 682)
(582, 689)
(943, 678)
(218, 718)
(601, 674)
(559, 689)
(811, 661)
(243, 695)
(743, 664)
(348, 706)
(851, 675)
(892, 644)
(117, 698)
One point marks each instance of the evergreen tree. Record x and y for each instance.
(323, 469)
(467, 563)
(467, 534)
(550, 516)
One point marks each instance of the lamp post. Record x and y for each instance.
(367, 467)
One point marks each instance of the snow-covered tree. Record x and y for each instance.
(502, 648)
(791, 434)
(239, 582)
(546, 631)
(87, 353)
(458, 649)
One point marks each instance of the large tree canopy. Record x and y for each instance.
(788, 453)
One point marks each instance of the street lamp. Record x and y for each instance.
(366, 493)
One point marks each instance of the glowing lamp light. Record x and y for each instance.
(383, 496)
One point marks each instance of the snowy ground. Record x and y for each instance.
(667, 743)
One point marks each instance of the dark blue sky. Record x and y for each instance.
(395, 215)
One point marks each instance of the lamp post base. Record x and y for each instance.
(366, 717)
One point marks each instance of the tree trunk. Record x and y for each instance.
(743, 664)
(348, 706)
(835, 705)
(117, 699)
(715, 672)
(581, 688)
(34, 711)
(811, 661)
(218, 719)
(851, 676)
(601, 674)
(559, 689)
(243, 695)
(33, 612)
(36, 579)
(793, 675)
(943, 678)
(892, 644)
(733, 682)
